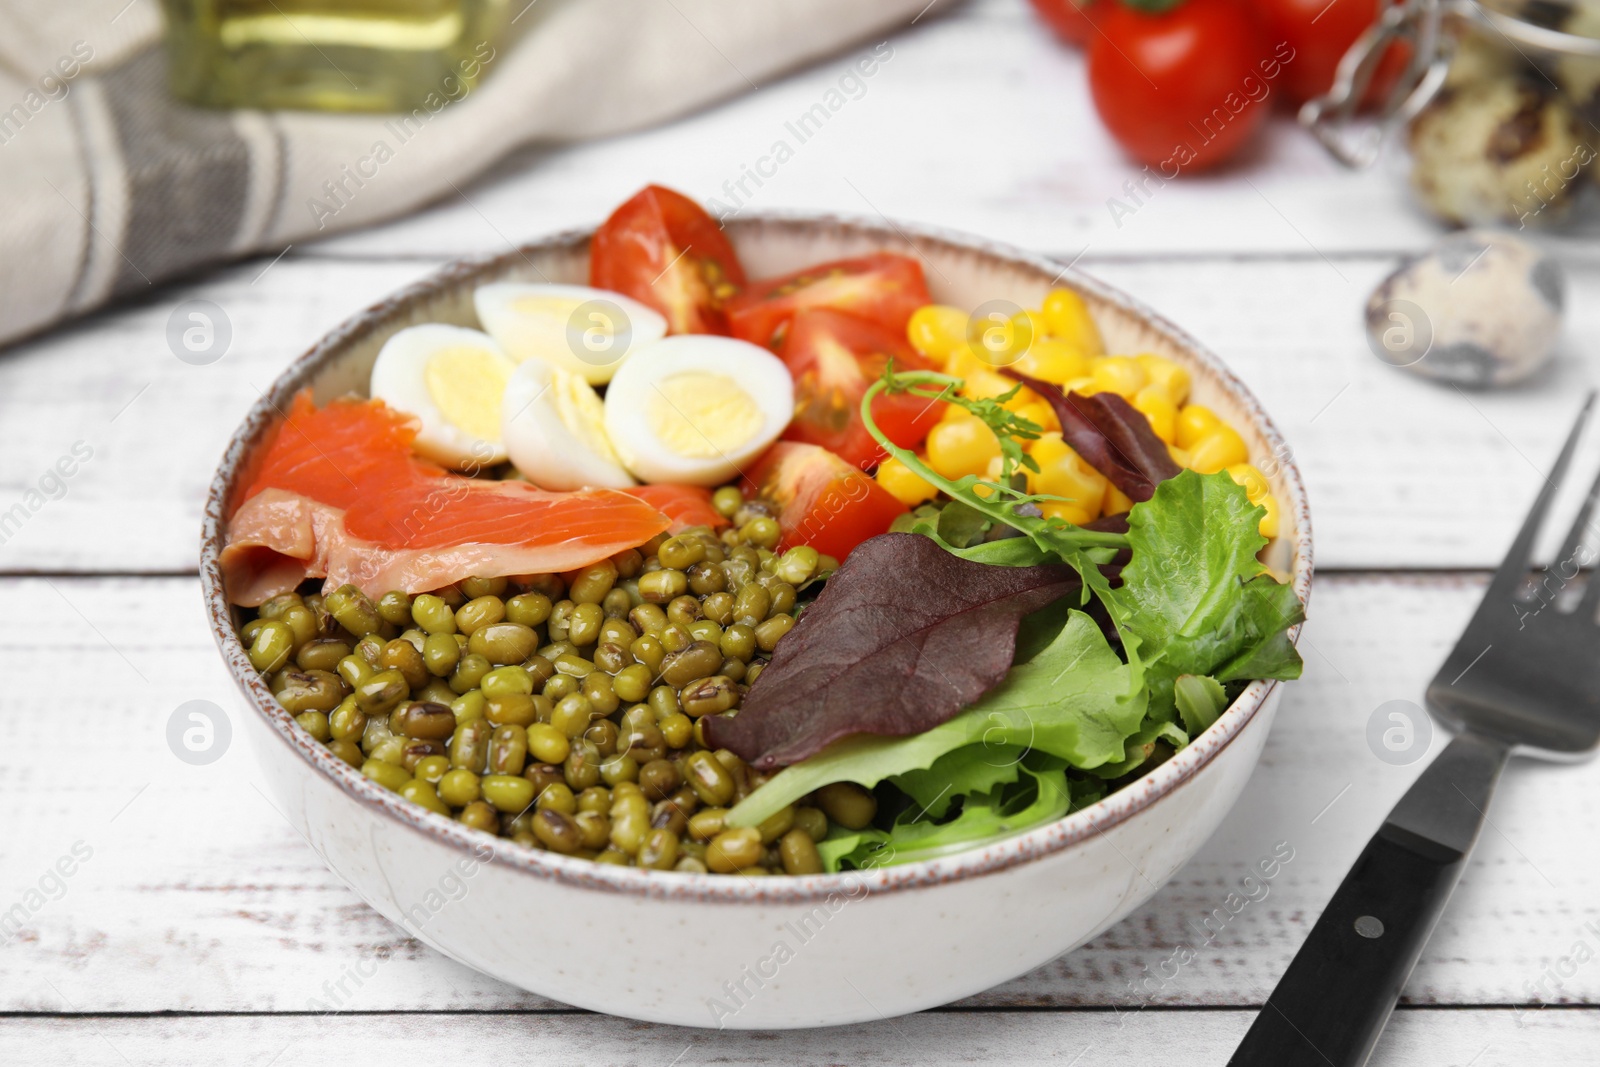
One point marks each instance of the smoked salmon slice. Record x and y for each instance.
(685, 505)
(338, 494)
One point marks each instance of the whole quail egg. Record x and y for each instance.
(1478, 309)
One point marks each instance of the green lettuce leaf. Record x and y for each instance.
(1141, 746)
(1037, 796)
(1071, 701)
(970, 769)
(1194, 599)
(1200, 699)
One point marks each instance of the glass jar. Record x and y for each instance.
(1499, 105)
(330, 55)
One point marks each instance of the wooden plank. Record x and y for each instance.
(1402, 472)
(198, 897)
(1481, 1038)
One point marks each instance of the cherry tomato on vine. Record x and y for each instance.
(1072, 20)
(1181, 89)
(1320, 32)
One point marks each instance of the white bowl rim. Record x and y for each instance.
(1021, 848)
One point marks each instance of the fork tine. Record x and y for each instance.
(1575, 537)
(1514, 568)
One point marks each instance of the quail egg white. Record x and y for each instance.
(554, 429)
(695, 409)
(452, 379)
(589, 332)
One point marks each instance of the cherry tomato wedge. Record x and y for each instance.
(883, 287)
(834, 356)
(662, 249)
(821, 500)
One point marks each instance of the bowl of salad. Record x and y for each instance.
(784, 623)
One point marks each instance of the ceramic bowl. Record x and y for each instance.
(711, 951)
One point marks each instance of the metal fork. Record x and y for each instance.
(1524, 678)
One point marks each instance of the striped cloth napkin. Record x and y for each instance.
(110, 186)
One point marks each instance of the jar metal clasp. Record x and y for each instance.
(1430, 28)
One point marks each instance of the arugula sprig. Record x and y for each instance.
(1003, 501)
(1008, 427)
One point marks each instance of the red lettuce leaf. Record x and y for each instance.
(900, 639)
(1111, 435)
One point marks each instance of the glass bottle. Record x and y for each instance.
(330, 55)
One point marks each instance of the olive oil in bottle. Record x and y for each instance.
(330, 55)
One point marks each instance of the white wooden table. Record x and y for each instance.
(200, 927)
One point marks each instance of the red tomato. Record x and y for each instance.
(883, 287)
(1321, 32)
(1073, 20)
(1180, 90)
(822, 501)
(834, 357)
(663, 250)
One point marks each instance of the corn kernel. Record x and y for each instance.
(1154, 404)
(955, 413)
(1053, 361)
(991, 473)
(1194, 422)
(1179, 456)
(1218, 450)
(959, 447)
(985, 382)
(1040, 414)
(1116, 501)
(1063, 473)
(961, 362)
(998, 340)
(936, 330)
(1067, 318)
(1118, 374)
(1083, 386)
(1171, 376)
(1269, 521)
(1259, 492)
(1029, 327)
(1067, 512)
(1254, 482)
(904, 484)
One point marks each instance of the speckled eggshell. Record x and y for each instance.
(1490, 310)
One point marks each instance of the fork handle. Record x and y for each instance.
(1332, 1003)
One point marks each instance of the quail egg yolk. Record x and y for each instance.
(701, 415)
(466, 384)
(555, 307)
(582, 412)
